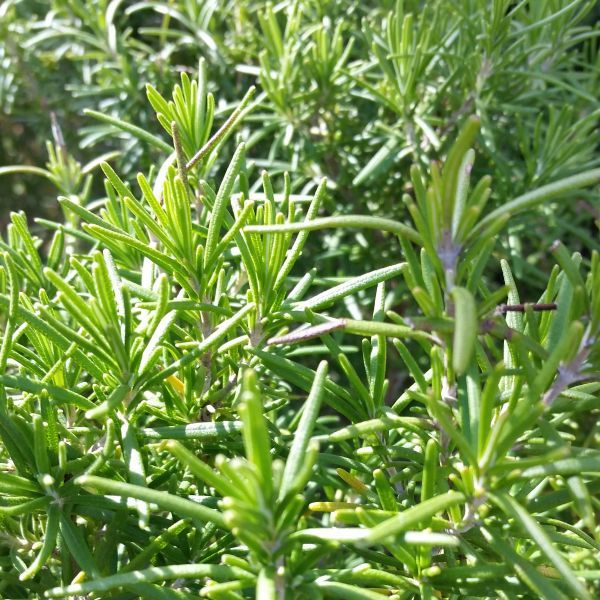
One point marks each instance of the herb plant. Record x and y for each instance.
(218, 381)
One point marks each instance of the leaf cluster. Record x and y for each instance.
(203, 392)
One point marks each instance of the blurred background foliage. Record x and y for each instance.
(354, 91)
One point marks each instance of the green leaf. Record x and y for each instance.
(465, 329)
(159, 258)
(135, 467)
(370, 328)
(37, 387)
(150, 353)
(48, 544)
(310, 412)
(255, 433)
(266, 585)
(201, 431)
(296, 250)
(350, 287)
(542, 194)
(347, 592)
(77, 545)
(414, 515)
(166, 501)
(137, 132)
(153, 574)
(343, 222)
(220, 204)
(384, 423)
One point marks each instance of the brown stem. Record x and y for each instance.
(504, 308)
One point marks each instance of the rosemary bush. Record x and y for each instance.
(229, 376)
(355, 92)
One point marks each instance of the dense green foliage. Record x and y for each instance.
(332, 336)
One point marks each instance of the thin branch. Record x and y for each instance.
(523, 307)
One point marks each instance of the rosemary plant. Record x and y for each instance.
(218, 381)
